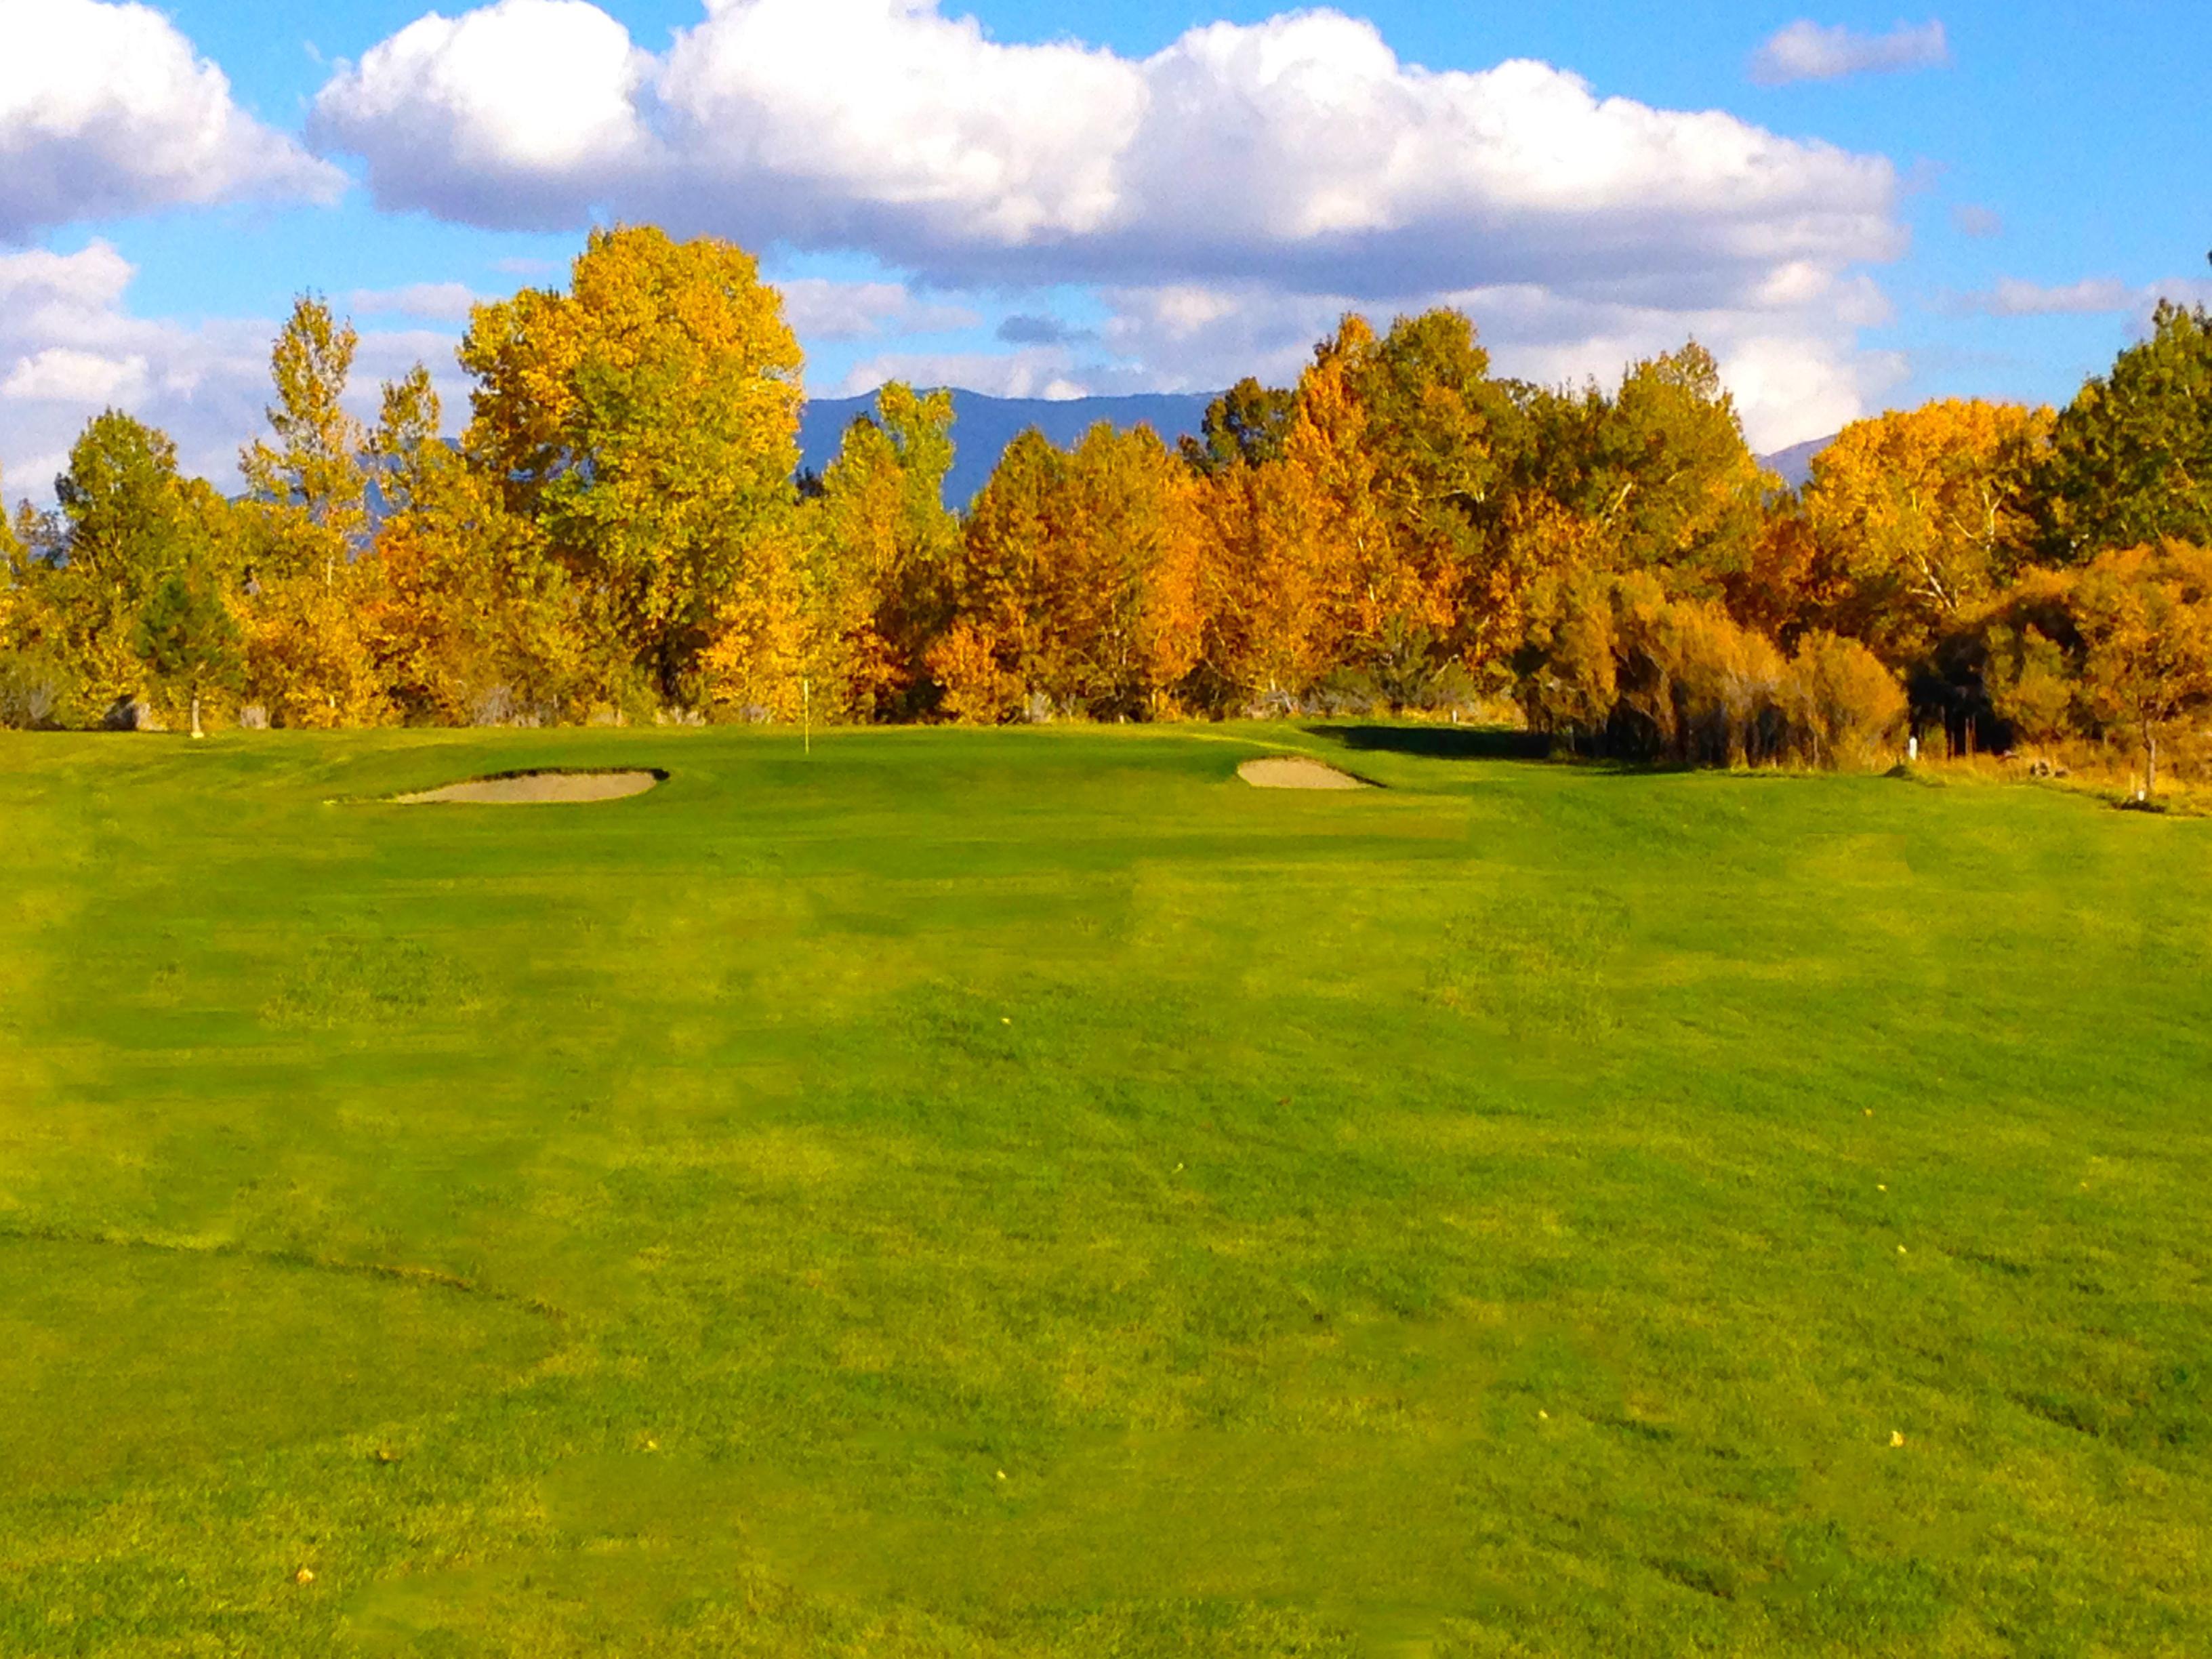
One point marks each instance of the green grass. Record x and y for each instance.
(1010, 1194)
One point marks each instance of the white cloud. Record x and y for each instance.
(818, 308)
(1806, 50)
(70, 347)
(522, 113)
(1299, 148)
(64, 375)
(444, 302)
(106, 109)
(1242, 183)
(1791, 359)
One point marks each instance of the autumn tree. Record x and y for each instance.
(645, 422)
(2145, 616)
(1079, 581)
(1845, 708)
(992, 656)
(307, 517)
(467, 621)
(309, 483)
(31, 689)
(1560, 564)
(1670, 477)
(2131, 460)
(1917, 519)
(878, 549)
(2023, 653)
(1304, 560)
(1127, 605)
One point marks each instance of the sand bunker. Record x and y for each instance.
(1295, 772)
(539, 789)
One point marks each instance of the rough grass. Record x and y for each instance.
(1029, 1194)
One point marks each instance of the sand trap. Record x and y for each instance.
(539, 789)
(1290, 771)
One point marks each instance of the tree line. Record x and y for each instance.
(622, 534)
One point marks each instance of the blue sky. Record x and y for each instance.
(1977, 200)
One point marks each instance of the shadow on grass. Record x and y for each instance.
(1439, 742)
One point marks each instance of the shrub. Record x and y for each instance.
(31, 690)
(1843, 707)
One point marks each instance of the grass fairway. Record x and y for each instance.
(1027, 1193)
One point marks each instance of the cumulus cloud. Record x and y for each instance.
(106, 109)
(71, 346)
(522, 114)
(1807, 51)
(818, 308)
(1294, 162)
(1301, 148)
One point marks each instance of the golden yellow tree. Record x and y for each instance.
(1079, 582)
(1122, 598)
(646, 421)
(2145, 616)
(309, 660)
(1917, 518)
(310, 482)
(1308, 562)
(876, 556)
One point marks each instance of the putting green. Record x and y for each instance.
(1030, 1193)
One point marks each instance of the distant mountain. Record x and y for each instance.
(1795, 464)
(983, 427)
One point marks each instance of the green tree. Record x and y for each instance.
(127, 519)
(646, 422)
(1246, 426)
(2130, 461)
(188, 639)
(1671, 476)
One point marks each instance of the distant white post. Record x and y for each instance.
(807, 707)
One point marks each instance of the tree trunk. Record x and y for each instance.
(2150, 764)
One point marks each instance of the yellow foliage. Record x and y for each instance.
(646, 422)
(2145, 616)
(1917, 518)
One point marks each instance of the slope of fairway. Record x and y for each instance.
(1027, 1193)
